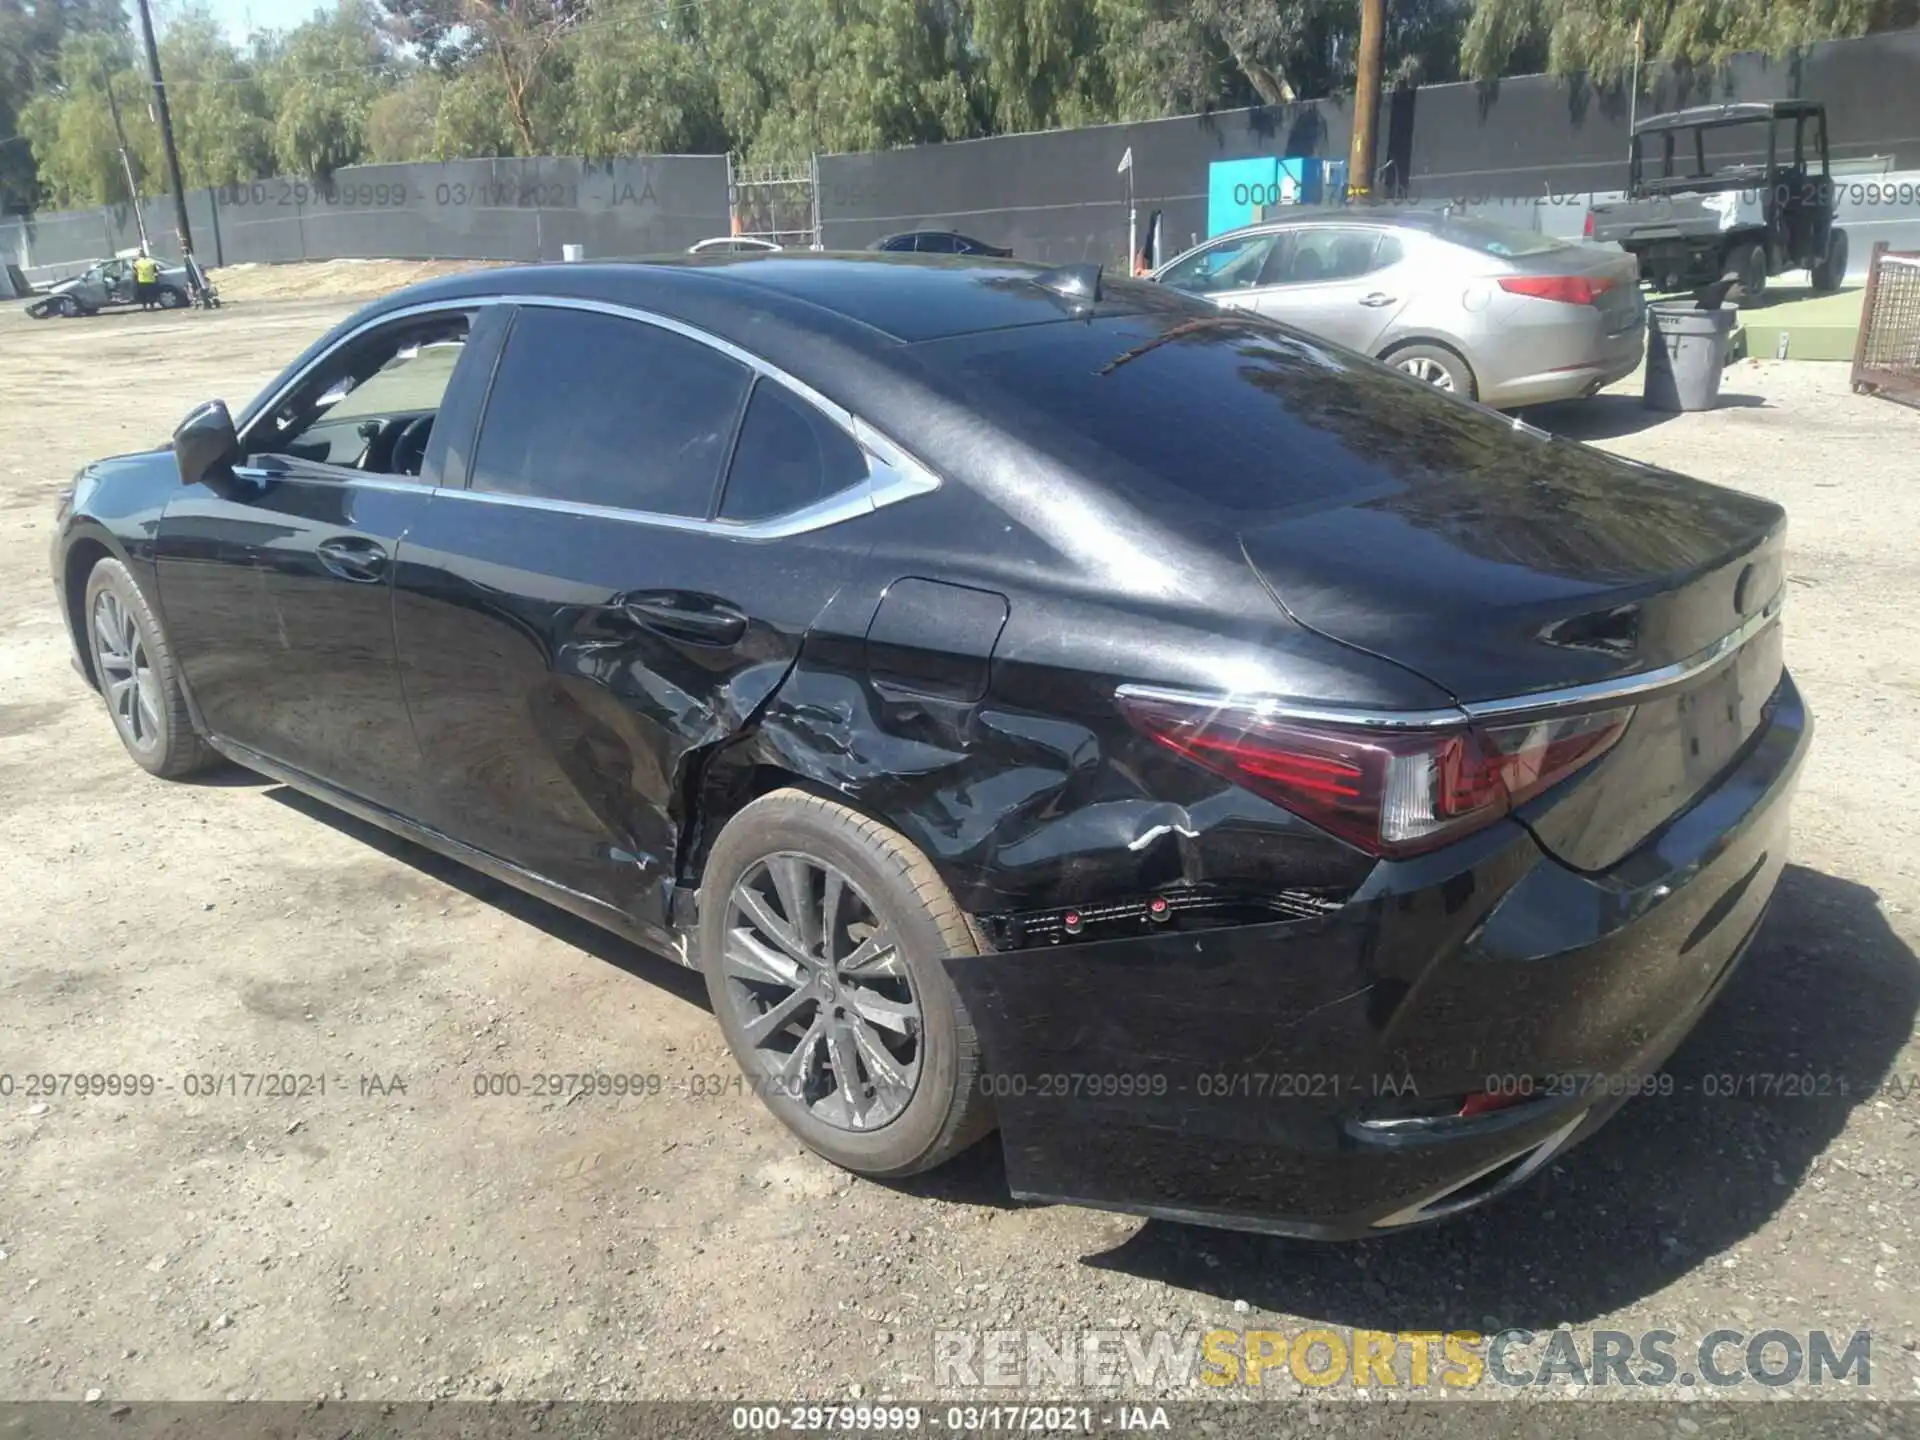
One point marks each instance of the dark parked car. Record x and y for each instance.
(1269, 789)
(940, 242)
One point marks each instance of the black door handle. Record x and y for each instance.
(353, 559)
(684, 615)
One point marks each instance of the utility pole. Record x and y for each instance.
(165, 118)
(1366, 98)
(1633, 95)
(126, 161)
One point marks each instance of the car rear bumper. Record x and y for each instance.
(1299, 1078)
(1597, 366)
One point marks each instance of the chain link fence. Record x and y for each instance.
(1887, 358)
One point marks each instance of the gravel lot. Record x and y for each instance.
(400, 1237)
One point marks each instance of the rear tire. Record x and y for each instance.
(1831, 272)
(1747, 263)
(138, 679)
(782, 854)
(1438, 366)
(172, 299)
(67, 307)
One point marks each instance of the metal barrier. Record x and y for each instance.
(505, 209)
(1886, 358)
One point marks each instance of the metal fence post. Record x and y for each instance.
(813, 169)
(1863, 338)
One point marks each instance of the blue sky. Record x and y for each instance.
(240, 17)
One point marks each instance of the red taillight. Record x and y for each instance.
(1487, 1102)
(1588, 231)
(1389, 792)
(1567, 289)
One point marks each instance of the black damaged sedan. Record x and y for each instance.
(1269, 791)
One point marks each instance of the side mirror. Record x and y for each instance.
(205, 446)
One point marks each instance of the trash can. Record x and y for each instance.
(573, 254)
(1686, 350)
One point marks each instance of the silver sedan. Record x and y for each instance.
(1508, 317)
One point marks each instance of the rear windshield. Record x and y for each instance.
(1491, 239)
(1212, 411)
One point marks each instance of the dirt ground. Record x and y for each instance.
(401, 1237)
(331, 279)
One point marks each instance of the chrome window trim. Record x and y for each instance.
(333, 474)
(883, 487)
(263, 409)
(1596, 695)
(894, 474)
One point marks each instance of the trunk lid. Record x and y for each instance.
(1619, 303)
(1502, 580)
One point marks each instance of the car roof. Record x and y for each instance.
(1401, 216)
(785, 299)
(1728, 114)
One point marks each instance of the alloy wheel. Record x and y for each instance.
(1422, 367)
(126, 672)
(821, 992)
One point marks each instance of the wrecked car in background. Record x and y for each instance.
(107, 283)
(1271, 791)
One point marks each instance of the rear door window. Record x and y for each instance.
(1333, 252)
(1487, 238)
(603, 410)
(788, 456)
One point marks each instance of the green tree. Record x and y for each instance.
(641, 84)
(842, 74)
(1598, 36)
(32, 35)
(472, 117)
(221, 119)
(402, 122)
(1226, 53)
(322, 81)
(70, 125)
(520, 44)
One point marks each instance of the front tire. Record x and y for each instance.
(138, 679)
(821, 933)
(1831, 272)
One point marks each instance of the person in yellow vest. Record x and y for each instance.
(146, 280)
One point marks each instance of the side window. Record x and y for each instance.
(371, 405)
(603, 410)
(1235, 264)
(938, 244)
(789, 455)
(1331, 252)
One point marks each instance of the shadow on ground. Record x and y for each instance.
(1828, 991)
(1776, 295)
(561, 924)
(1608, 417)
